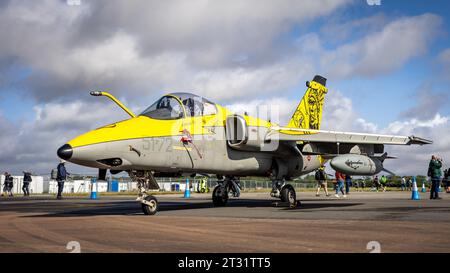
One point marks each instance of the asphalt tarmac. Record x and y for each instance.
(254, 223)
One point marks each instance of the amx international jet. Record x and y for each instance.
(184, 134)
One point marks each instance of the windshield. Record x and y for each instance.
(195, 105)
(166, 108)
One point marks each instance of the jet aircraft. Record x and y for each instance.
(184, 134)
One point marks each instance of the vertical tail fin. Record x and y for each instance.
(309, 111)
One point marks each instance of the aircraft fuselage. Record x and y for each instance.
(204, 154)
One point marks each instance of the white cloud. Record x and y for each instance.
(385, 50)
(174, 44)
(211, 32)
(414, 159)
(241, 82)
(277, 110)
(428, 102)
(365, 126)
(7, 130)
(411, 125)
(75, 115)
(338, 113)
(33, 144)
(335, 31)
(111, 55)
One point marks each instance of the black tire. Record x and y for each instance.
(288, 195)
(219, 196)
(150, 209)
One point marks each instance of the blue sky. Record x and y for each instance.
(233, 52)
(395, 91)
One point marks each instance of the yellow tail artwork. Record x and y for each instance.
(308, 114)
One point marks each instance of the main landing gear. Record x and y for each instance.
(285, 192)
(222, 191)
(146, 181)
(231, 186)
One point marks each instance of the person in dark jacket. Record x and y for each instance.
(409, 184)
(61, 178)
(5, 185)
(348, 183)
(26, 183)
(434, 171)
(376, 183)
(446, 180)
(8, 185)
(321, 178)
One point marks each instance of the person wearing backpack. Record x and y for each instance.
(26, 183)
(434, 172)
(403, 183)
(61, 178)
(321, 179)
(409, 184)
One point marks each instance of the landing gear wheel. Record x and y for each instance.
(150, 207)
(288, 195)
(219, 196)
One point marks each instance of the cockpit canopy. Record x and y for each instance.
(180, 105)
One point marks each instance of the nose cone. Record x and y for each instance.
(65, 152)
(338, 162)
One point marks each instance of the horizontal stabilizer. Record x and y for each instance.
(419, 140)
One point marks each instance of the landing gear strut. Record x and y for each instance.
(221, 192)
(285, 192)
(146, 181)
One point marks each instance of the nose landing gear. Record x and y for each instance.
(149, 205)
(146, 181)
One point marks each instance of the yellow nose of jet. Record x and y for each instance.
(135, 128)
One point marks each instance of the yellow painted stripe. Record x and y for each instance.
(181, 148)
(145, 127)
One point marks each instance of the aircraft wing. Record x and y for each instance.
(321, 136)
